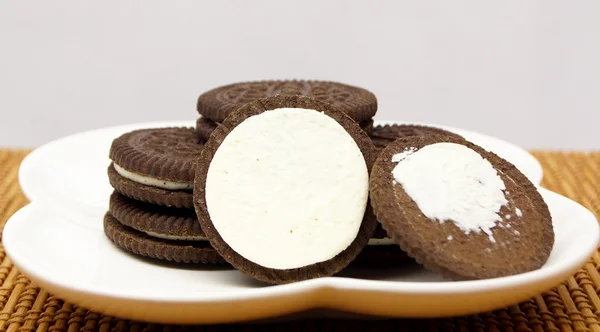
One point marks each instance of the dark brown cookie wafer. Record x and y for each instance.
(150, 194)
(141, 244)
(146, 217)
(382, 135)
(522, 243)
(367, 126)
(250, 268)
(162, 153)
(218, 103)
(205, 127)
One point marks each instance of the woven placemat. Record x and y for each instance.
(572, 306)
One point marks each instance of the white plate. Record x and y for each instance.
(69, 175)
(81, 265)
(58, 242)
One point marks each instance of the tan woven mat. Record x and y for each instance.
(572, 306)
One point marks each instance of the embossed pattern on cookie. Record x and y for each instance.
(218, 103)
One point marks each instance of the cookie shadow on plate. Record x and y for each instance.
(407, 271)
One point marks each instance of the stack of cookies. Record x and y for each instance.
(151, 212)
(215, 105)
(289, 180)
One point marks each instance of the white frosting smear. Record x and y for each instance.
(287, 188)
(150, 181)
(449, 181)
(178, 238)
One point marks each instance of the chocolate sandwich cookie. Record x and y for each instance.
(459, 209)
(156, 165)
(281, 189)
(382, 135)
(381, 251)
(155, 220)
(205, 127)
(143, 244)
(218, 103)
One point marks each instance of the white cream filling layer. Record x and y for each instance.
(287, 188)
(178, 238)
(150, 181)
(381, 242)
(450, 181)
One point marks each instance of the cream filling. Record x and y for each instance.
(287, 188)
(381, 242)
(150, 181)
(460, 185)
(178, 238)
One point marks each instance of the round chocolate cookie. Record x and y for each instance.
(155, 220)
(156, 165)
(205, 127)
(281, 189)
(218, 103)
(459, 209)
(382, 135)
(144, 245)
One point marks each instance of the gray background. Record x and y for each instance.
(525, 71)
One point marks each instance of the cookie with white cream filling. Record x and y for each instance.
(156, 165)
(142, 244)
(281, 189)
(460, 210)
(155, 220)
